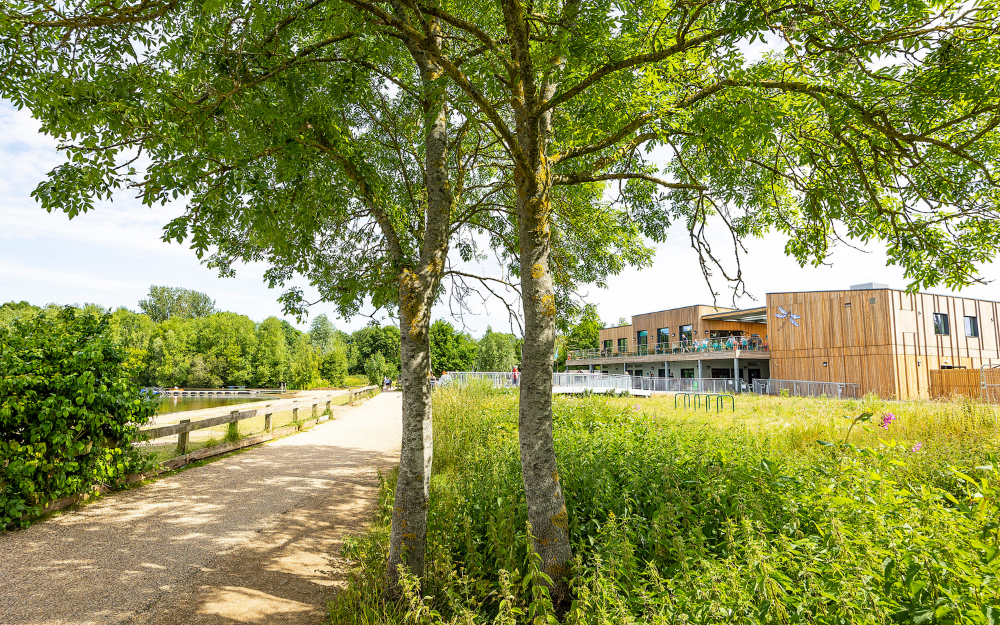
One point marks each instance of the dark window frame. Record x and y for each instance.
(622, 345)
(974, 327)
(942, 327)
(663, 335)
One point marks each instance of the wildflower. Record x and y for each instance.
(636, 407)
(916, 447)
(887, 418)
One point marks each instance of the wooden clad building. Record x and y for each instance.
(884, 340)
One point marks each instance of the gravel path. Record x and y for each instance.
(248, 539)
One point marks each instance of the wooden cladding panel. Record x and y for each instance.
(621, 332)
(832, 319)
(949, 382)
(878, 341)
(674, 319)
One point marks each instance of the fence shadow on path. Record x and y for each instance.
(255, 529)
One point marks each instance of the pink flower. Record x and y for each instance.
(916, 447)
(887, 418)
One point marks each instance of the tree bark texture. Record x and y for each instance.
(546, 504)
(417, 290)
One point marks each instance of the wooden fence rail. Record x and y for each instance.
(182, 429)
(191, 426)
(358, 392)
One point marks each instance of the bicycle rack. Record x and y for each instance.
(720, 401)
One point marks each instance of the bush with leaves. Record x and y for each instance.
(67, 412)
(333, 368)
(377, 369)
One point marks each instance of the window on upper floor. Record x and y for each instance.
(971, 327)
(607, 344)
(622, 345)
(641, 338)
(686, 333)
(941, 324)
(663, 335)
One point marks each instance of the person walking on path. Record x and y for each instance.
(515, 376)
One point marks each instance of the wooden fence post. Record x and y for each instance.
(295, 412)
(233, 433)
(182, 440)
(314, 415)
(328, 400)
(350, 396)
(267, 422)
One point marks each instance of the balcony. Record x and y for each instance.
(704, 348)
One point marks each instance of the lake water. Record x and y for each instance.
(180, 404)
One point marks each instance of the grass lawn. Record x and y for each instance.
(678, 516)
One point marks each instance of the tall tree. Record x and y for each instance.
(576, 91)
(165, 302)
(495, 352)
(322, 334)
(451, 350)
(273, 360)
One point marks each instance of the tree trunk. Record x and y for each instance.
(408, 537)
(417, 292)
(546, 504)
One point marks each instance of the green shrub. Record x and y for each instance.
(68, 412)
(377, 369)
(677, 518)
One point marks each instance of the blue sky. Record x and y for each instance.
(112, 255)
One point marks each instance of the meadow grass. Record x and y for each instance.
(681, 516)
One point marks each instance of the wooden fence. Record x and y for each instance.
(363, 391)
(182, 429)
(948, 382)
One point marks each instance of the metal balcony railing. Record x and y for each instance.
(683, 346)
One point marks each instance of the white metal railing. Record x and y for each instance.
(682, 346)
(689, 385)
(597, 382)
(603, 382)
(805, 388)
(499, 379)
(989, 381)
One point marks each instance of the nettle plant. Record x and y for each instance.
(68, 412)
(931, 548)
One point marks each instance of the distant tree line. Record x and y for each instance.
(180, 339)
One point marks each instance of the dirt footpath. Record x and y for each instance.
(252, 538)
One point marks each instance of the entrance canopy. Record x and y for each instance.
(749, 315)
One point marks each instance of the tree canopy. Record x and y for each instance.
(165, 302)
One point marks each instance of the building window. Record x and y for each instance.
(941, 324)
(686, 334)
(607, 345)
(687, 373)
(972, 327)
(622, 345)
(641, 337)
(663, 335)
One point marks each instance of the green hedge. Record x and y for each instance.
(65, 403)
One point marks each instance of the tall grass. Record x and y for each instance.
(683, 515)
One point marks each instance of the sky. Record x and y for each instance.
(110, 256)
